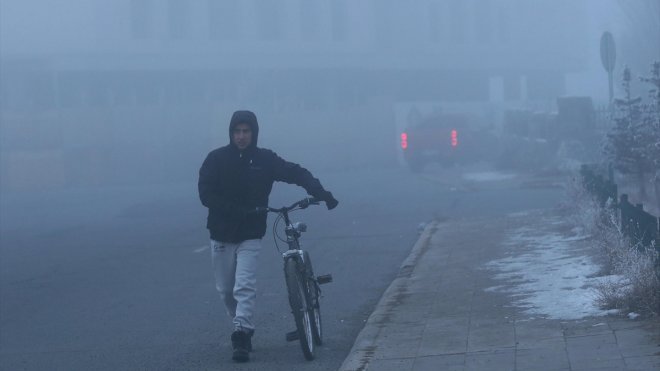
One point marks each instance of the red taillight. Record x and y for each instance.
(454, 138)
(404, 140)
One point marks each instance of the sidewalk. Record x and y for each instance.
(514, 293)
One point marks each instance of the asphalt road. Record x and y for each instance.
(120, 277)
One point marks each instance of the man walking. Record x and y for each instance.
(234, 181)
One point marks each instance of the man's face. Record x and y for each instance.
(242, 136)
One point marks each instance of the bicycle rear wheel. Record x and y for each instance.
(298, 299)
(314, 301)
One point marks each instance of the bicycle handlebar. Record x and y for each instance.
(302, 204)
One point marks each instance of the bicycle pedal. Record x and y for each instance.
(326, 278)
(292, 336)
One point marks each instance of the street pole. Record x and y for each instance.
(611, 83)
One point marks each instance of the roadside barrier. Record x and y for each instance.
(637, 224)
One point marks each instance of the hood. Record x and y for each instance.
(245, 117)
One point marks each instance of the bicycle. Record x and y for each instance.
(303, 287)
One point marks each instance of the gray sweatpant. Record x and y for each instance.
(235, 270)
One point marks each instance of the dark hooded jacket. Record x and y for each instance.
(232, 183)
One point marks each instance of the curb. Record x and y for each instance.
(361, 353)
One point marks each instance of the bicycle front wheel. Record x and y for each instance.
(298, 299)
(314, 301)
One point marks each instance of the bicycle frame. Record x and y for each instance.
(293, 232)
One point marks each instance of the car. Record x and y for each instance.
(444, 139)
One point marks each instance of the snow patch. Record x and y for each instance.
(547, 277)
(518, 214)
(487, 176)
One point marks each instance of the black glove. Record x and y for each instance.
(330, 201)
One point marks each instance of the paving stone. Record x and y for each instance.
(619, 323)
(591, 341)
(399, 364)
(541, 359)
(553, 343)
(598, 364)
(451, 309)
(405, 348)
(594, 351)
(633, 343)
(585, 328)
(490, 334)
(443, 321)
(452, 362)
(646, 363)
(499, 360)
(443, 340)
(529, 332)
(412, 317)
(398, 334)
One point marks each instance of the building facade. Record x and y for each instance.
(83, 74)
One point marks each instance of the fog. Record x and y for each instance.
(407, 111)
(98, 93)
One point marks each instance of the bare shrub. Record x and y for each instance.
(635, 281)
(638, 264)
(609, 238)
(581, 207)
(611, 292)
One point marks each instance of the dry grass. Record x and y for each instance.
(581, 207)
(635, 282)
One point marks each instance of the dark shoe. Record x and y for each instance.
(249, 340)
(239, 342)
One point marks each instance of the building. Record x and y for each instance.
(84, 78)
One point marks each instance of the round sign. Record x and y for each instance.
(607, 51)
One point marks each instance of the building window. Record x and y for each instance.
(222, 16)
(178, 18)
(269, 19)
(339, 20)
(141, 18)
